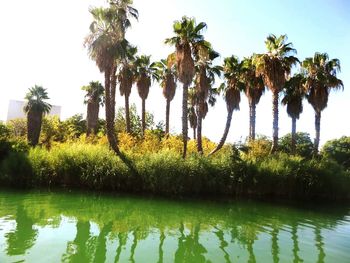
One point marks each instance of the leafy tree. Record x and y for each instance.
(135, 121)
(294, 93)
(94, 98)
(274, 67)
(35, 108)
(231, 89)
(4, 130)
(339, 150)
(303, 144)
(75, 126)
(321, 78)
(17, 127)
(52, 130)
(187, 37)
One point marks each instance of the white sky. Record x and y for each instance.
(42, 43)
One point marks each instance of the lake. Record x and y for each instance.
(85, 227)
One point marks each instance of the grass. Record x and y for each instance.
(88, 166)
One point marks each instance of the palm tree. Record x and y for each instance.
(205, 78)
(166, 73)
(94, 97)
(35, 108)
(231, 89)
(294, 92)
(253, 89)
(126, 79)
(275, 66)
(187, 36)
(192, 116)
(105, 43)
(321, 78)
(144, 73)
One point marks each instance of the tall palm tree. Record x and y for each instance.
(321, 78)
(205, 78)
(253, 89)
(126, 79)
(187, 36)
(35, 108)
(107, 33)
(94, 97)
(231, 89)
(275, 66)
(166, 73)
(294, 92)
(144, 73)
(192, 116)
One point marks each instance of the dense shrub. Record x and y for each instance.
(338, 150)
(303, 144)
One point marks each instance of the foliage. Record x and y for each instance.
(338, 150)
(17, 127)
(4, 130)
(75, 126)
(135, 121)
(304, 145)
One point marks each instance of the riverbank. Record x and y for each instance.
(165, 173)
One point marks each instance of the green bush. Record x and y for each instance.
(303, 145)
(91, 166)
(338, 150)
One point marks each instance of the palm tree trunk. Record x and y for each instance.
(318, 129)
(92, 117)
(184, 119)
(224, 136)
(199, 130)
(194, 133)
(127, 114)
(167, 115)
(294, 131)
(252, 118)
(112, 139)
(113, 88)
(34, 121)
(275, 122)
(143, 116)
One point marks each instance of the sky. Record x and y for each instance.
(42, 43)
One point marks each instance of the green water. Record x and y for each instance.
(78, 227)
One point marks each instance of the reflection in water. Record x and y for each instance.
(161, 242)
(319, 245)
(275, 248)
(163, 231)
(295, 244)
(24, 236)
(77, 250)
(223, 244)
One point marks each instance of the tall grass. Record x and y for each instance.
(83, 165)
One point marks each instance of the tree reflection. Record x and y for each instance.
(319, 244)
(223, 244)
(101, 247)
(275, 248)
(189, 249)
(161, 238)
(122, 238)
(77, 250)
(24, 236)
(295, 243)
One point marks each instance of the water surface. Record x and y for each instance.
(85, 227)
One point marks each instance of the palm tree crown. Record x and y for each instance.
(94, 93)
(35, 100)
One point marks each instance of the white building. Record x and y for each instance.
(15, 110)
